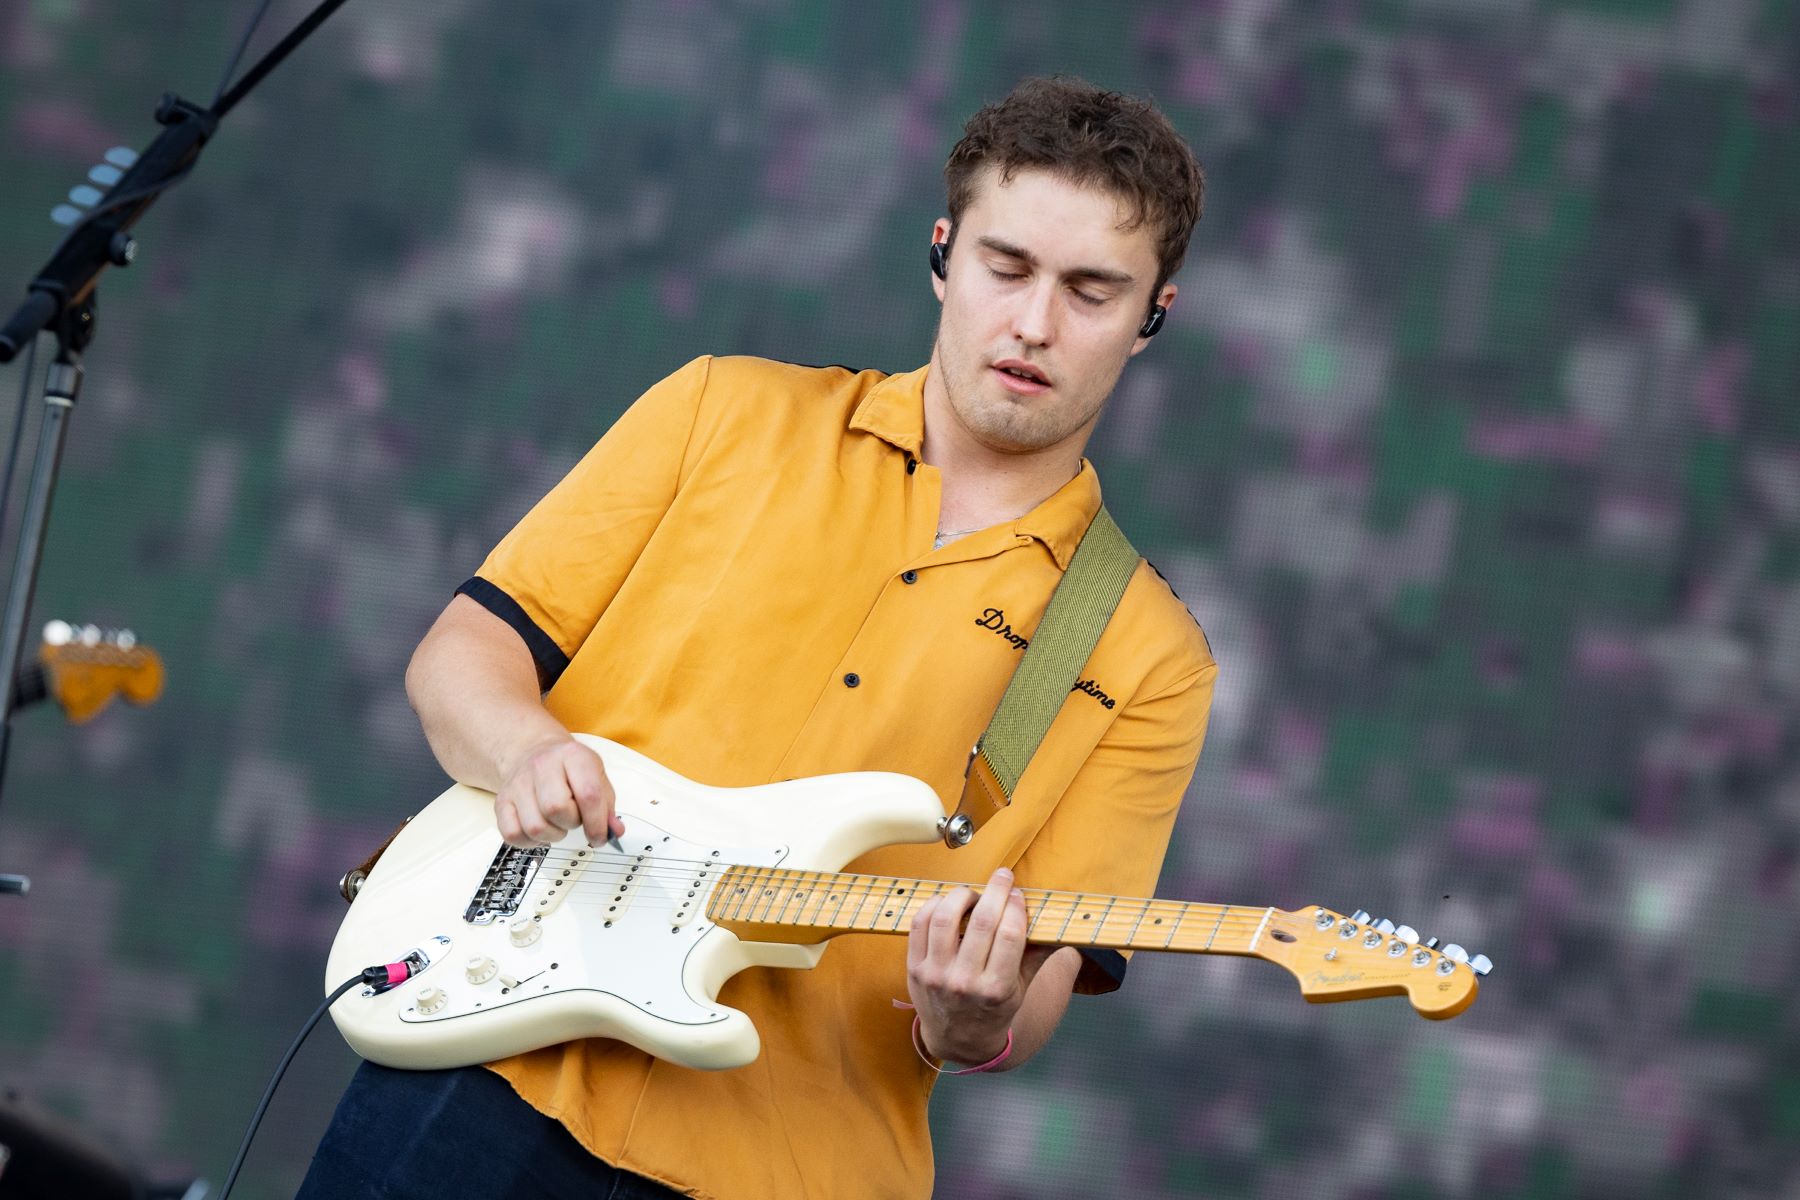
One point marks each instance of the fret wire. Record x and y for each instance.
(771, 888)
(1215, 928)
(1180, 913)
(735, 911)
(1095, 940)
(1037, 914)
(765, 877)
(1131, 938)
(1064, 931)
(897, 891)
(735, 906)
(793, 894)
(839, 894)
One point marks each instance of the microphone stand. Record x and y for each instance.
(61, 299)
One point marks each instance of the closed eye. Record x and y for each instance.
(1003, 274)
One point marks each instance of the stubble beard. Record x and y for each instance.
(1003, 422)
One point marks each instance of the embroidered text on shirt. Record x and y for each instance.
(995, 619)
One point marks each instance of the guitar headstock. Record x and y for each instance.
(86, 667)
(1356, 957)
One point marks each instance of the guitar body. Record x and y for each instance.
(513, 949)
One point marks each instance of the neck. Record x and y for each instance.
(774, 904)
(982, 486)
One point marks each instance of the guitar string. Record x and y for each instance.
(599, 876)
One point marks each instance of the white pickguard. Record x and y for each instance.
(618, 943)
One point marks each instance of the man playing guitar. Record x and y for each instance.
(766, 571)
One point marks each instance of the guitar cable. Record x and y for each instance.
(382, 977)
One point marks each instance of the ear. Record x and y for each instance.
(1166, 298)
(940, 232)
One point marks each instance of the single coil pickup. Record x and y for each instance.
(693, 898)
(618, 898)
(562, 881)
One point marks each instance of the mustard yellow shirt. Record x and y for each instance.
(739, 581)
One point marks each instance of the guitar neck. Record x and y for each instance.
(774, 904)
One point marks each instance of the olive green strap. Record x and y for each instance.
(1078, 611)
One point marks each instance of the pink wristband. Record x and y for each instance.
(918, 1041)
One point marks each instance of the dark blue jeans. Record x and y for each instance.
(447, 1135)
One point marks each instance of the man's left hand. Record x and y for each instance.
(967, 984)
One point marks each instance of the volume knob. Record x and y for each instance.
(525, 931)
(481, 968)
(431, 1000)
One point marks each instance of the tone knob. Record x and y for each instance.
(481, 968)
(431, 1000)
(525, 931)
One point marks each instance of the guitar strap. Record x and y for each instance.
(1079, 609)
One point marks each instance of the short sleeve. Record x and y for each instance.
(1109, 832)
(555, 573)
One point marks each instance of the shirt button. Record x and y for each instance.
(909, 577)
(852, 679)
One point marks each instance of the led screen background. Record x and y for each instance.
(1473, 442)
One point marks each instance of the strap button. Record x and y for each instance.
(852, 679)
(909, 577)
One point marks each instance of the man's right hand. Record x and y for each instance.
(558, 785)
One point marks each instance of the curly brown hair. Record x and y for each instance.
(1092, 137)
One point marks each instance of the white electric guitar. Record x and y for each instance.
(511, 949)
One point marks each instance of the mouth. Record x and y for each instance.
(1020, 376)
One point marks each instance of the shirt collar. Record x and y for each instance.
(894, 411)
(1061, 521)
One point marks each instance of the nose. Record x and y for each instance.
(1034, 320)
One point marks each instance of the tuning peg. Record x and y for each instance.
(1480, 964)
(125, 639)
(85, 195)
(1384, 925)
(58, 633)
(105, 175)
(1431, 943)
(1360, 916)
(89, 635)
(1453, 951)
(122, 157)
(65, 214)
(1408, 934)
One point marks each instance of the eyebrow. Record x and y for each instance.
(1097, 274)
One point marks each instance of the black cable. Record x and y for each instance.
(18, 432)
(238, 55)
(221, 104)
(372, 975)
(269, 61)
